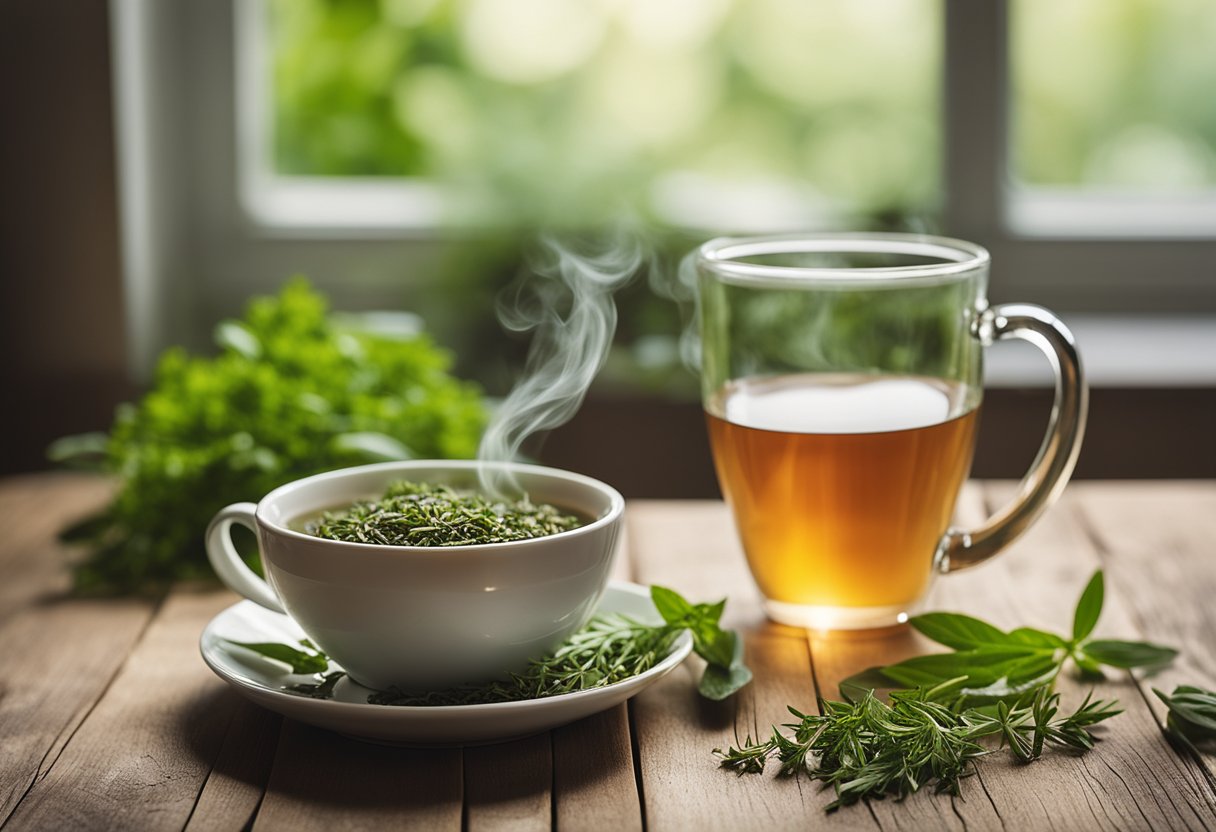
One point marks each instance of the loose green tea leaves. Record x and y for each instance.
(421, 514)
(868, 748)
(300, 661)
(997, 665)
(321, 689)
(1192, 716)
(609, 649)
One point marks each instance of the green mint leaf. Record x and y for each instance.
(1192, 712)
(716, 646)
(1089, 607)
(1036, 638)
(670, 604)
(718, 683)
(1091, 670)
(709, 613)
(961, 632)
(1028, 678)
(981, 666)
(1129, 654)
(859, 685)
(298, 660)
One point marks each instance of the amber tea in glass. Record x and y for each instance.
(842, 388)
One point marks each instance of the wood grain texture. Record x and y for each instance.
(237, 780)
(594, 783)
(593, 778)
(34, 509)
(109, 720)
(1155, 543)
(508, 786)
(326, 782)
(141, 757)
(1133, 779)
(692, 546)
(58, 660)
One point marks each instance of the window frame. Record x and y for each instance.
(197, 243)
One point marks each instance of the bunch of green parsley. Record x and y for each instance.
(291, 392)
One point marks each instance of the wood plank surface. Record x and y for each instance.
(36, 507)
(1160, 556)
(109, 720)
(233, 791)
(594, 786)
(508, 786)
(692, 546)
(326, 782)
(143, 754)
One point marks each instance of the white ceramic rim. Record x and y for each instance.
(960, 257)
(616, 505)
(679, 651)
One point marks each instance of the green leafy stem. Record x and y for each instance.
(994, 664)
(993, 683)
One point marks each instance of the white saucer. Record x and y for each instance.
(349, 713)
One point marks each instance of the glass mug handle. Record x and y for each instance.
(1048, 474)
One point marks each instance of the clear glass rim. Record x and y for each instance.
(721, 255)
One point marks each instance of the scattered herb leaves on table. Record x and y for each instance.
(994, 684)
(292, 392)
(609, 649)
(421, 514)
(995, 664)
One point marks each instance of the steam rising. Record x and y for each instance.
(569, 308)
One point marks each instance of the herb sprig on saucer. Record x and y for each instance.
(609, 649)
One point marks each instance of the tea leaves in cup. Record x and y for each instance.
(425, 514)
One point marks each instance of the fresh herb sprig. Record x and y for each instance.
(868, 748)
(292, 391)
(423, 514)
(994, 684)
(1192, 715)
(609, 649)
(998, 665)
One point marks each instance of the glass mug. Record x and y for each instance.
(842, 381)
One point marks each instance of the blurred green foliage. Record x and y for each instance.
(551, 112)
(1114, 93)
(292, 392)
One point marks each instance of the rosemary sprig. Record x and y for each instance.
(423, 514)
(993, 684)
(868, 748)
(609, 649)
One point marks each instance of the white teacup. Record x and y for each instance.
(418, 617)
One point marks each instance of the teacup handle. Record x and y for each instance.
(229, 564)
(1048, 474)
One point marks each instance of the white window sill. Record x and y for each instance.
(1119, 351)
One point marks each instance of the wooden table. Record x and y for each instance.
(109, 719)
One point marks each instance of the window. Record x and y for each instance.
(716, 114)
(348, 140)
